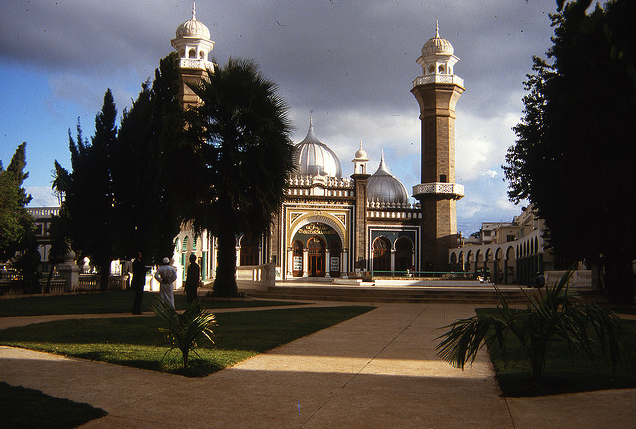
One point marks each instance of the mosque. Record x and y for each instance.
(334, 224)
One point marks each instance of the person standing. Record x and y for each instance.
(138, 282)
(166, 275)
(193, 276)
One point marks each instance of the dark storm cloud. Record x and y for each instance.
(350, 62)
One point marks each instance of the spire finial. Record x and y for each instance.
(437, 28)
(360, 144)
(194, 11)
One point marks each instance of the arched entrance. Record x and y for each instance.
(249, 250)
(381, 254)
(403, 254)
(316, 251)
(316, 257)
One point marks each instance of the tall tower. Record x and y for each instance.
(192, 42)
(437, 92)
(360, 177)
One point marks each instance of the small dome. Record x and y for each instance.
(314, 158)
(385, 187)
(361, 154)
(437, 46)
(193, 28)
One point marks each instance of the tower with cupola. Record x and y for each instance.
(437, 91)
(193, 45)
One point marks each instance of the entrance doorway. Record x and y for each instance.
(316, 255)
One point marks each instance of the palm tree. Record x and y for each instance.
(241, 136)
(184, 330)
(552, 315)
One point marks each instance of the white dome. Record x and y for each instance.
(314, 158)
(361, 154)
(385, 187)
(437, 46)
(193, 28)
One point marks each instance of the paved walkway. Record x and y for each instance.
(378, 370)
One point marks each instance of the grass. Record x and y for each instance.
(137, 341)
(28, 408)
(105, 302)
(565, 372)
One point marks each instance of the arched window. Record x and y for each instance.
(381, 254)
(441, 68)
(404, 254)
(185, 244)
(192, 53)
(202, 55)
(249, 250)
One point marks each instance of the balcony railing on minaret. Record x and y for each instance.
(438, 190)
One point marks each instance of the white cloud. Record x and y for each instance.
(43, 196)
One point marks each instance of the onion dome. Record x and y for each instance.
(437, 45)
(314, 158)
(383, 186)
(361, 154)
(193, 28)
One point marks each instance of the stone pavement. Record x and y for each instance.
(378, 370)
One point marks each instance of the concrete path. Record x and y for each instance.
(378, 370)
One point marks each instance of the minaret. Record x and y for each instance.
(192, 42)
(360, 178)
(437, 92)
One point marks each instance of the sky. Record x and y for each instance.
(348, 65)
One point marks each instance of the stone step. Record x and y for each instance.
(371, 294)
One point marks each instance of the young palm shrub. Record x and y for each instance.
(184, 330)
(555, 314)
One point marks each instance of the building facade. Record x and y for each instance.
(333, 224)
(507, 252)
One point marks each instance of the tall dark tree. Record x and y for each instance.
(148, 160)
(245, 155)
(17, 236)
(574, 152)
(88, 195)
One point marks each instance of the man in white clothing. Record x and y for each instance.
(166, 275)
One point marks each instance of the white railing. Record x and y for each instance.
(195, 63)
(439, 78)
(42, 212)
(451, 189)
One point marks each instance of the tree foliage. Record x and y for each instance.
(149, 156)
(87, 188)
(244, 155)
(17, 235)
(573, 154)
(122, 193)
(555, 315)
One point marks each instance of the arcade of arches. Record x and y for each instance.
(515, 262)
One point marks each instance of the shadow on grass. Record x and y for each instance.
(108, 302)
(137, 342)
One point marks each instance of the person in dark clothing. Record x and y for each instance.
(138, 282)
(192, 279)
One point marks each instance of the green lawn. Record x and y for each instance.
(564, 372)
(137, 341)
(27, 408)
(105, 302)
